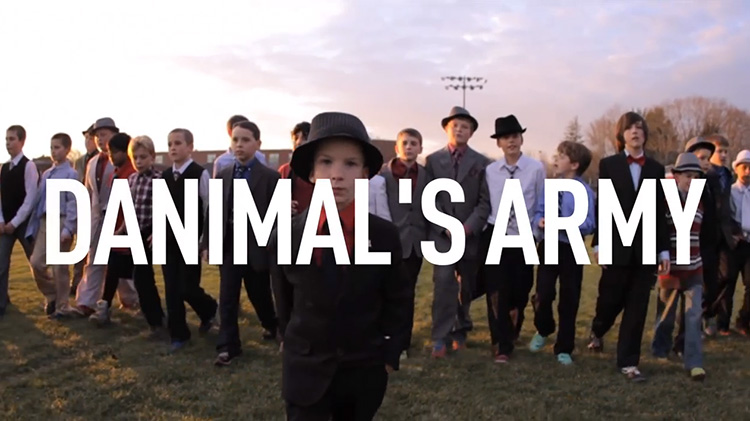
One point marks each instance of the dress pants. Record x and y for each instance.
(258, 287)
(145, 285)
(571, 275)
(624, 289)
(181, 285)
(411, 267)
(355, 394)
(7, 241)
(507, 286)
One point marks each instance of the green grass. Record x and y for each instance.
(73, 370)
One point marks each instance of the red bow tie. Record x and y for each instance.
(640, 160)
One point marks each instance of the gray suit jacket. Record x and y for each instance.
(262, 186)
(475, 209)
(408, 217)
(99, 198)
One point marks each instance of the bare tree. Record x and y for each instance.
(663, 144)
(573, 131)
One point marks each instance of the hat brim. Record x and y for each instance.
(742, 161)
(473, 120)
(501, 134)
(303, 156)
(113, 128)
(688, 168)
(702, 145)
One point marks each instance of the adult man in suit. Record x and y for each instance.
(80, 167)
(451, 321)
(99, 173)
(343, 326)
(625, 284)
(262, 184)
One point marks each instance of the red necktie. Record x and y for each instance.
(640, 160)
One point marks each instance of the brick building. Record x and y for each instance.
(274, 157)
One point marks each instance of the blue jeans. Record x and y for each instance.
(662, 343)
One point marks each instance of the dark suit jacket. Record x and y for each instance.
(724, 226)
(475, 209)
(408, 217)
(263, 181)
(616, 168)
(362, 322)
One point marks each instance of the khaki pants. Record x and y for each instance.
(54, 287)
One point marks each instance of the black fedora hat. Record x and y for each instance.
(460, 112)
(330, 125)
(90, 130)
(507, 125)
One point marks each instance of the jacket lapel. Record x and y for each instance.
(466, 163)
(446, 164)
(624, 169)
(226, 176)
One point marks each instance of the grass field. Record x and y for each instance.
(73, 370)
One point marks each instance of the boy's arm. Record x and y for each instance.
(31, 184)
(203, 193)
(71, 210)
(283, 292)
(478, 218)
(396, 302)
(379, 198)
(589, 224)
(538, 215)
(603, 174)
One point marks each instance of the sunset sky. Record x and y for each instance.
(154, 66)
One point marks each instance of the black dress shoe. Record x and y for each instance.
(50, 308)
(269, 334)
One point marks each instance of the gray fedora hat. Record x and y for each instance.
(699, 142)
(105, 123)
(460, 112)
(330, 125)
(686, 161)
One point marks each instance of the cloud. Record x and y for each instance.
(383, 60)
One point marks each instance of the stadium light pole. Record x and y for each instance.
(464, 83)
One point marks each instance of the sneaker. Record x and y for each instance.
(564, 359)
(501, 358)
(458, 345)
(596, 344)
(633, 374)
(83, 311)
(176, 346)
(439, 350)
(698, 374)
(711, 328)
(537, 342)
(49, 308)
(101, 314)
(724, 332)
(64, 312)
(205, 326)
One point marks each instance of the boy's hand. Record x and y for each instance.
(447, 233)
(9, 228)
(596, 258)
(204, 256)
(65, 237)
(541, 223)
(2, 227)
(664, 267)
(150, 237)
(388, 369)
(295, 206)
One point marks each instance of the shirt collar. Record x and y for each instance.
(627, 154)
(346, 216)
(65, 164)
(16, 159)
(519, 164)
(461, 148)
(184, 166)
(250, 163)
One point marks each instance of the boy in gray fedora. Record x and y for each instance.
(455, 285)
(685, 280)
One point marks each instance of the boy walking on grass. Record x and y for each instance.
(571, 162)
(686, 280)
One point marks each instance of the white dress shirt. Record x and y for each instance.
(379, 198)
(202, 182)
(531, 173)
